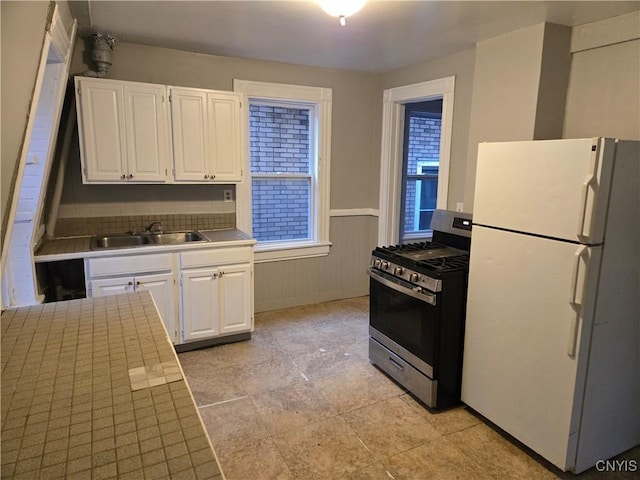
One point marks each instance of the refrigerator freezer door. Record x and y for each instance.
(529, 319)
(555, 188)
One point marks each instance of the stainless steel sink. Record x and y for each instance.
(147, 238)
(171, 238)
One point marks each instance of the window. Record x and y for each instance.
(421, 164)
(280, 147)
(285, 200)
(405, 212)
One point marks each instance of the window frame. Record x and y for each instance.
(321, 100)
(394, 100)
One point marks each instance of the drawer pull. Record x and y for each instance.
(396, 364)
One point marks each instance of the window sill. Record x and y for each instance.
(264, 253)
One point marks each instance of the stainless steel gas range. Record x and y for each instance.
(417, 309)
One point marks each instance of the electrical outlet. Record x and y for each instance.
(459, 206)
(228, 195)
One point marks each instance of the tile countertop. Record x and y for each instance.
(92, 388)
(78, 247)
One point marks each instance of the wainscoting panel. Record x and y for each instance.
(341, 274)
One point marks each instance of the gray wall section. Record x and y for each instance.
(554, 78)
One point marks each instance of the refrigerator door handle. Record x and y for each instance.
(589, 183)
(581, 257)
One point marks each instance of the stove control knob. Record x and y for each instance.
(414, 277)
(398, 271)
(377, 263)
(385, 265)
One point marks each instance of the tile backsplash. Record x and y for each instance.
(71, 227)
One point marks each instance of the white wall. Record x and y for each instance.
(603, 98)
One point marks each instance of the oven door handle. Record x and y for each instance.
(422, 295)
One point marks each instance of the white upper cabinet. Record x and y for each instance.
(124, 131)
(101, 130)
(224, 132)
(190, 134)
(147, 129)
(206, 128)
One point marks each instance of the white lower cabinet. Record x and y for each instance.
(234, 294)
(215, 297)
(200, 318)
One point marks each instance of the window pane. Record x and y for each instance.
(420, 202)
(279, 139)
(281, 209)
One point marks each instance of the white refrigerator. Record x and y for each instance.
(552, 341)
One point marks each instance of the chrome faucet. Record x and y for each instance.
(155, 227)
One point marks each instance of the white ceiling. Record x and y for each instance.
(384, 35)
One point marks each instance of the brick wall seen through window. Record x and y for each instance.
(424, 148)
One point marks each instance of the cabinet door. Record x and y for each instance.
(224, 132)
(236, 301)
(101, 130)
(111, 286)
(147, 132)
(190, 134)
(200, 314)
(161, 288)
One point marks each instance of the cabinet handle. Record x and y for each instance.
(123, 176)
(130, 175)
(206, 176)
(138, 284)
(220, 274)
(130, 284)
(212, 177)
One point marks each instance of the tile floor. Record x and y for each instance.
(300, 400)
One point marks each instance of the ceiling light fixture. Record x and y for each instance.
(341, 8)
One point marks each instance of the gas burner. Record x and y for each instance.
(425, 257)
(446, 264)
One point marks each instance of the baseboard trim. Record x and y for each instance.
(280, 303)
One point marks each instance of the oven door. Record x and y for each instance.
(407, 318)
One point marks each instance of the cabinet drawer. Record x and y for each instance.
(103, 267)
(215, 257)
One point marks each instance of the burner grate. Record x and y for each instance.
(445, 264)
(429, 258)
